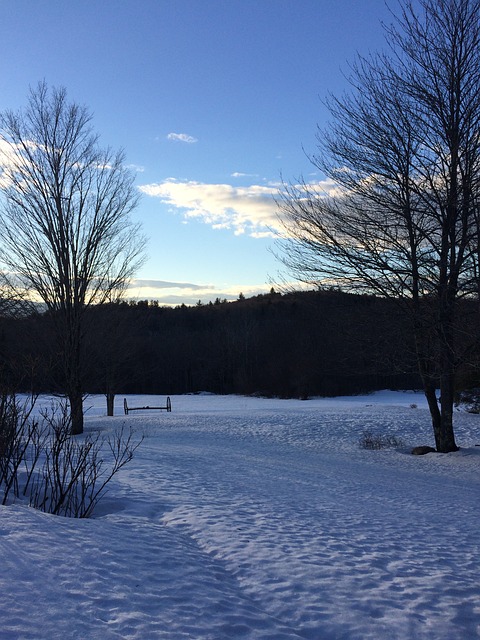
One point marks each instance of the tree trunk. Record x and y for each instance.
(425, 359)
(444, 434)
(431, 396)
(76, 409)
(110, 403)
(73, 367)
(442, 416)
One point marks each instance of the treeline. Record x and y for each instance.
(291, 345)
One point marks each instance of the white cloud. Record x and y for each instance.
(7, 161)
(136, 167)
(240, 174)
(181, 137)
(251, 210)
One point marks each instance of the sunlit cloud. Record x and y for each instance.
(244, 210)
(326, 188)
(251, 210)
(182, 137)
(7, 162)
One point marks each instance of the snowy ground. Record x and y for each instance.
(254, 518)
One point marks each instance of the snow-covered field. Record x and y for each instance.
(254, 518)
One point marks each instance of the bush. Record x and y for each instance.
(58, 473)
(19, 438)
(374, 441)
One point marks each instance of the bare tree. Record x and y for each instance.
(66, 233)
(403, 153)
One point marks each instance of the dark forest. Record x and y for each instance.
(286, 345)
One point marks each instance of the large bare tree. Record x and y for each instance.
(66, 235)
(403, 152)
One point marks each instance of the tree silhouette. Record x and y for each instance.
(66, 234)
(403, 151)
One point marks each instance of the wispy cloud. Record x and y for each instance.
(240, 174)
(164, 284)
(251, 210)
(181, 137)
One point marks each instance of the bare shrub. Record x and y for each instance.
(17, 432)
(58, 473)
(375, 441)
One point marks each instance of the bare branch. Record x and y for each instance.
(67, 235)
(403, 148)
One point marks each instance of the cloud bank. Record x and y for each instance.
(250, 210)
(163, 284)
(177, 293)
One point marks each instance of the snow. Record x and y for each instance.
(260, 519)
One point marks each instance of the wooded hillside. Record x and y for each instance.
(292, 345)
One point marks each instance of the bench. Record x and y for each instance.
(127, 409)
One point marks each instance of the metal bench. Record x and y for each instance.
(127, 409)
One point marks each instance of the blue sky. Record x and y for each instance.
(213, 101)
